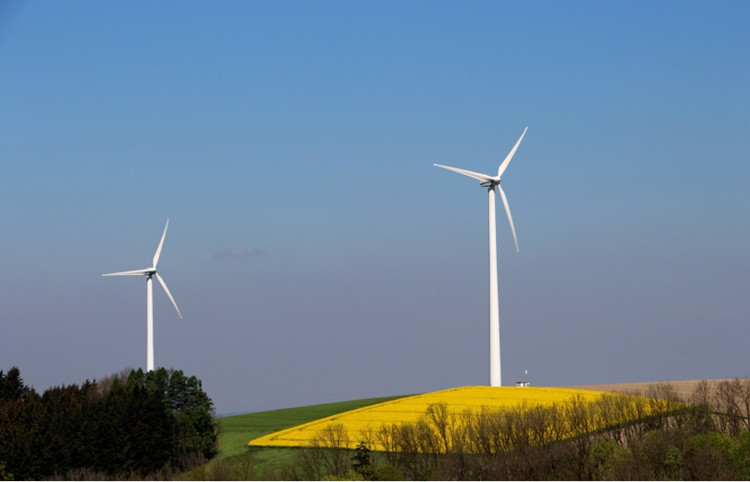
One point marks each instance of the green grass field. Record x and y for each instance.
(236, 431)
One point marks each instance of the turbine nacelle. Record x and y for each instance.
(490, 183)
(136, 272)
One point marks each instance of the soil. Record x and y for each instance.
(683, 388)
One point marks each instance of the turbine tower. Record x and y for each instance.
(490, 182)
(150, 273)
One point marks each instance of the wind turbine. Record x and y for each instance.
(491, 182)
(149, 273)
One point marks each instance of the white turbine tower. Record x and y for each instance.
(491, 182)
(149, 273)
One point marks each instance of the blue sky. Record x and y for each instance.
(315, 252)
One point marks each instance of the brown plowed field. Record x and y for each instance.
(684, 388)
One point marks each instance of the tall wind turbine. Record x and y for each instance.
(149, 273)
(490, 182)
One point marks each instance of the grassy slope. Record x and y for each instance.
(236, 431)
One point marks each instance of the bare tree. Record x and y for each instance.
(335, 439)
(727, 400)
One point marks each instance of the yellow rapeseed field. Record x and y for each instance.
(411, 409)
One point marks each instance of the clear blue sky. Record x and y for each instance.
(315, 252)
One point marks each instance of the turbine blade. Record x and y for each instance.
(134, 272)
(161, 243)
(510, 218)
(504, 164)
(164, 285)
(476, 175)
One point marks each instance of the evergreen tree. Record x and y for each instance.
(12, 386)
(136, 428)
(192, 408)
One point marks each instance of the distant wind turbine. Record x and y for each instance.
(149, 273)
(491, 182)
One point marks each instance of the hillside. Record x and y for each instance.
(699, 454)
(237, 430)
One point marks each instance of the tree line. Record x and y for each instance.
(132, 424)
(618, 437)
